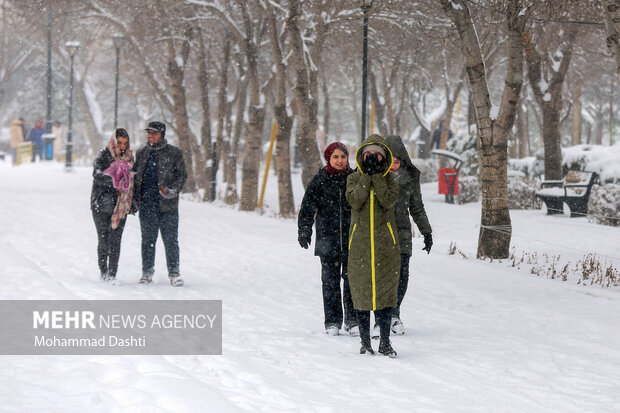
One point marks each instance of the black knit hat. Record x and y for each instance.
(157, 127)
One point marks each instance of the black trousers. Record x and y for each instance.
(153, 222)
(403, 282)
(108, 242)
(332, 271)
(383, 318)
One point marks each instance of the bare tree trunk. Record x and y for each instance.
(445, 130)
(285, 123)
(576, 119)
(305, 105)
(283, 162)
(205, 126)
(379, 107)
(522, 133)
(495, 227)
(549, 100)
(612, 27)
(252, 153)
(222, 106)
(598, 131)
(95, 140)
(325, 108)
(184, 134)
(230, 169)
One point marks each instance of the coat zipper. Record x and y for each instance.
(391, 232)
(351, 237)
(340, 212)
(372, 247)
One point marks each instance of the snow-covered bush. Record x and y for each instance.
(604, 160)
(428, 169)
(464, 145)
(522, 192)
(524, 165)
(603, 205)
(469, 190)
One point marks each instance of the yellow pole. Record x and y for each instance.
(268, 163)
(372, 117)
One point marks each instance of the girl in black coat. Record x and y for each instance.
(325, 201)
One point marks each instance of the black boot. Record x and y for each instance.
(363, 317)
(366, 348)
(386, 349)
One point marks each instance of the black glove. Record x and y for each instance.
(304, 240)
(370, 166)
(428, 243)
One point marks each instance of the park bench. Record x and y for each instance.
(574, 190)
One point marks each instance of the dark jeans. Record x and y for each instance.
(37, 151)
(332, 270)
(403, 281)
(151, 223)
(383, 318)
(108, 242)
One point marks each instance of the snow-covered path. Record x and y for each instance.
(480, 337)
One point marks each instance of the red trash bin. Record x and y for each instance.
(448, 181)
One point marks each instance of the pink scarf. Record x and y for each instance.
(122, 179)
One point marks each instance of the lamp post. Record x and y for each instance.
(48, 120)
(118, 43)
(72, 47)
(365, 5)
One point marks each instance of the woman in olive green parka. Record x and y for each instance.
(374, 254)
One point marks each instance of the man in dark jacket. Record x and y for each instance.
(160, 176)
(409, 203)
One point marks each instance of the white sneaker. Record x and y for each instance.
(146, 279)
(332, 331)
(176, 281)
(398, 327)
(112, 281)
(354, 331)
(375, 332)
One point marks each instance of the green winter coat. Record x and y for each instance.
(374, 255)
(409, 196)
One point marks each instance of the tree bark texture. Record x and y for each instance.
(284, 124)
(522, 132)
(306, 106)
(231, 196)
(543, 71)
(205, 125)
(380, 108)
(612, 27)
(222, 107)
(495, 227)
(445, 130)
(576, 118)
(177, 91)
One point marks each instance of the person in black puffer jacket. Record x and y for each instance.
(111, 200)
(325, 201)
(409, 204)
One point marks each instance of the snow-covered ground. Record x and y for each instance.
(481, 337)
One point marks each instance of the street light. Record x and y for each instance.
(72, 47)
(48, 120)
(118, 43)
(365, 5)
